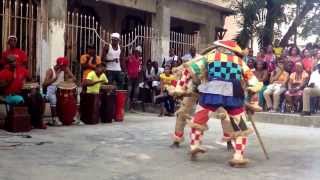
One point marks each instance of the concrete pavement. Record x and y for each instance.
(138, 149)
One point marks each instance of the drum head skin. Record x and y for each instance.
(30, 85)
(107, 87)
(67, 85)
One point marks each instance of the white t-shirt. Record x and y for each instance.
(188, 57)
(169, 60)
(315, 78)
(113, 54)
(153, 73)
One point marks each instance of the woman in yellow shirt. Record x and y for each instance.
(95, 79)
(166, 79)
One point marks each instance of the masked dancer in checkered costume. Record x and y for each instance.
(187, 88)
(223, 94)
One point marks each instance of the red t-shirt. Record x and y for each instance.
(308, 64)
(20, 55)
(16, 79)
(133, 66)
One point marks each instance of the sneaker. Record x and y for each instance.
(78, 122)
(271, 111)
(55, 122)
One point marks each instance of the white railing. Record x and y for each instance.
(21, 20)
(82, 30)
(183, 42)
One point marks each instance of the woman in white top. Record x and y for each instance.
(112, 56)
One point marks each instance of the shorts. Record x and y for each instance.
(51, 95)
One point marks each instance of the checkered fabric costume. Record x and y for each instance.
(185, 86)
(223, 95)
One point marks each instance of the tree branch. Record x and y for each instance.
(297, 22)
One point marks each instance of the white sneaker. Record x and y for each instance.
(78, 122)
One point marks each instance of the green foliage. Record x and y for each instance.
(311, 24)
(259, 18)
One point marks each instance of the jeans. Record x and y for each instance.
(169, 104)
(261, 97)
(51, 95)
(132, 86)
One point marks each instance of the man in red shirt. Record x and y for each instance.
(12, 80)
(133, 64)
(20, 55)
(12, 77)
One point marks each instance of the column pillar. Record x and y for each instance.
(57, 15)
(161, 24)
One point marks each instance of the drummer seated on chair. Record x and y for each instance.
(12, 81)
(95, 79)
(54, 76)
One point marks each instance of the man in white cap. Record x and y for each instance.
(133, 69)
(112, 56)
(20, 55)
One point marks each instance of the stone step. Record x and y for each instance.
(264, 117)
(288, 119)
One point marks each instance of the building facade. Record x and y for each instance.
(59, 26)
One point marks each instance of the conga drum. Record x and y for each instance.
(18, 120)
(121, 98)
(66, 102)
(35, 102)
(90, 106)
(108, 103)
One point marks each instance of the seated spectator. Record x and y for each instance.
(171, 59)
(262, 74)
(260, 55)
(294, 54)
(312, 90)
(156, 71)
(277, 86)
(278, 50)
(296, 84)
(307, 61)
(249, 55)
(145, 87)
(12, 81)
(179, 62)
(289, 66)
(270, 58)
(166, 79)
(13, 50)
(191, 55)
(251, 64)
